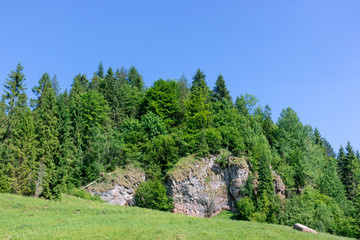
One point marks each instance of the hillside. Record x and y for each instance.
(74, 218)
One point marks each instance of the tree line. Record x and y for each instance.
(62, 140)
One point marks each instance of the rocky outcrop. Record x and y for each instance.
(201, 187)
(204, 187)
(279, 186)
(303, 228)
(119, 187)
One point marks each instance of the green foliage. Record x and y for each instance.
(317, 211)
(152, 125)
(100, 71)
(199, 84)
(152, 194)
(245, 208)
(81, 193)
(291, 134)
(164, 99)
(47, 138)
(14, 99)
(220, 91)
(162, 151)
(21, 156)
(266, 187)
(246, 104)
(213, 139)
(135, 79)
(350, 170)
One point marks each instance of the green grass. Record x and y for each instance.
(74, 218)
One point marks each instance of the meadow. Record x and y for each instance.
(74, 218)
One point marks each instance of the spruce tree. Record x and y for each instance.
(198, 114)
(100, 71)
(220, 91)
(135, 79)
(317, 137)
(68, 166)
(266, 187)
(350, 170)
(14, 98)
(341, 162)
(47, 136)
(199, 84)
(56, 86)
(22, 155)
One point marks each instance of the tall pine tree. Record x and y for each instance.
(47, 135)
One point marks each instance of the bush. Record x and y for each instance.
(245, 208)
(258, 217)
(213, 139)
(81, 193)
(152, 194)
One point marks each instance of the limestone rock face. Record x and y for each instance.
(279, 186)
(303, 228)
(118, 188)
(203, 188)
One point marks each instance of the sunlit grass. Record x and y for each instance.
(74, 218)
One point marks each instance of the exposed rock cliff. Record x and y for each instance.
(204, 187)
(200, 187)
(119, 187)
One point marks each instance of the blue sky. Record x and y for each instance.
(299, 54)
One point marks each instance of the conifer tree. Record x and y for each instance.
(56, 86)
(79, 86)
(199, 83)
(220, 91)
(266, 186)
(121, 75)
(341, 162)
(100, 71)
(135, 79)
(198, 114)
(22, 155)
(350, 171)
(96, 82)
(47, 136)
(68, 166)
(318, 138)
(14, 98)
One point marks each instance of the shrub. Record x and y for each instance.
(258, 217)
(152, 194)
(81, 193)
(245, 208)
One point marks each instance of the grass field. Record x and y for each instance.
(74, 218)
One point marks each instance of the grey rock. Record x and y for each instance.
(203, 188)
(119, 187)
(206, 189)
(303, 228)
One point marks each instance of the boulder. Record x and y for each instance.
(303, 228)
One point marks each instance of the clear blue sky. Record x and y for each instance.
(302, 54)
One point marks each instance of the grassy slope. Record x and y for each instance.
(73, 218)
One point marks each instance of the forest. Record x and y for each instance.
(63, 140)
